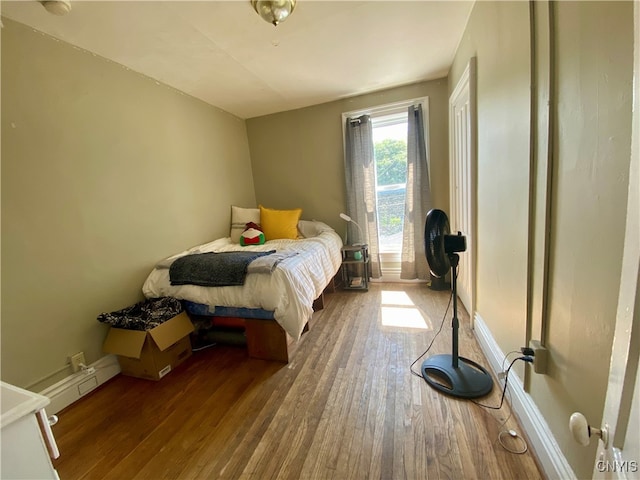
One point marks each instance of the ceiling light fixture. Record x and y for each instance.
(274, 11)
(57, 7)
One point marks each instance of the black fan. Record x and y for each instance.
(451, 374)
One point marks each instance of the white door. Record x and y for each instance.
(619, 457)
(462, 185)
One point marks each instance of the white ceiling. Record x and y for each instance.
(223, 53)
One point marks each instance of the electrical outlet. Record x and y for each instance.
(76, 360)
(540, 356)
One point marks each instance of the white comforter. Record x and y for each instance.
(289, 291)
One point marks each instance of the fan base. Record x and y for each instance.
(468, 380)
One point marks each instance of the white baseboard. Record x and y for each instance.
(544, 444)
(76, 386)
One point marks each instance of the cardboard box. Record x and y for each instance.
(154, 353)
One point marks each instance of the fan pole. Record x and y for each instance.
(454, 258)
(456, 376)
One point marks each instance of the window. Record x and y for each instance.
(377, 193)
(390, 150)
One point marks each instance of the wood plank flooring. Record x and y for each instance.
(345, 407)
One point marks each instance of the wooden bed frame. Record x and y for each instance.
(267, 340)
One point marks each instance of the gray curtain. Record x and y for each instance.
(418, 199)
(360, 173)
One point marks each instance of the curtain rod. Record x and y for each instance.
(357, 119)
(374, 110)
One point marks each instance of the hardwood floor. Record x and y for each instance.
(347, 406)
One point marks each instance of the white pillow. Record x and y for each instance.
(312, 228)
(239, 219)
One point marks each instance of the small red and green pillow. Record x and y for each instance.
(252, 235)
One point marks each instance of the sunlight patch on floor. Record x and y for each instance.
(398, 310)
(396, 298)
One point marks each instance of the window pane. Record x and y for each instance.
(391, 217)
(390, 148)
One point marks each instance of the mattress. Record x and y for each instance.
(289, 290)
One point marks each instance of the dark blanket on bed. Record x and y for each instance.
(213, 269)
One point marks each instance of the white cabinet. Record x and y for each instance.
(26, 440)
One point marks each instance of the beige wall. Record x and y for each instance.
(298, 161)
(498, 35)
(587, 194)
(104, 172)
(594, 59)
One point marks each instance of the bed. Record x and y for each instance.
(277, 297)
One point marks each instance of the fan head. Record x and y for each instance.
(436, 229)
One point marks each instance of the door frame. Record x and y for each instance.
(465, 88)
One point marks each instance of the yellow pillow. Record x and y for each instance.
(279, 223)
